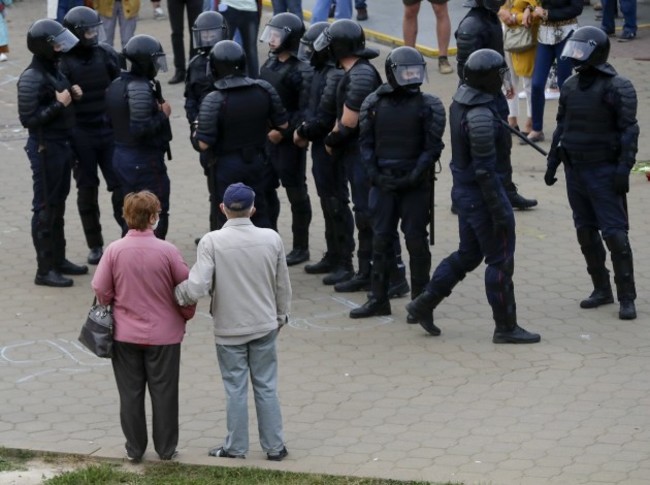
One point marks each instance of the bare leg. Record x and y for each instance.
(410, 24)
(443, 27)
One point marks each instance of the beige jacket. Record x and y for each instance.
(131, 8)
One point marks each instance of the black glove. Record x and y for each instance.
(549, 176)
(418, 176)
(194, 141)
(622, 182)
(385, 182)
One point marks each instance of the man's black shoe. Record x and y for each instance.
(323, 266)
(362, 14)
(338, 275)
(278, 456)
(359, 282)
(297, 256)
(179, 77)
(519, 202)
(421, 310)
(399, 289)
(373, 307)
(627, 310)
(410, 319)
(52, 278)
(516, 335)
(68, 267)
(95, 255)
(600, 296)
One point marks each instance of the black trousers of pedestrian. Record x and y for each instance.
(176, 17)
(157, 367)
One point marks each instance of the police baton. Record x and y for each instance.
(523, 137)
(432, 213)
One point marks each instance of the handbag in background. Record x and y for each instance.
(97, 332)
(518, 39)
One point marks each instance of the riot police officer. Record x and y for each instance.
(486, 223)
(400, 140)
(140, 118)
(290, 77)
(329, 175)
(233, 125)
(45, 99)
(208, 29)
(92, 65)
(482, 29)
(597, 139)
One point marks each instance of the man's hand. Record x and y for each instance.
(549, 177)
(77, 93)
(64, 97)
(299, 140)
(166, 108)
(274, 136)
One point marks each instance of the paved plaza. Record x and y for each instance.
(374, 397)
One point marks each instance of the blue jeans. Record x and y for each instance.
(321, 10)
(543, 61)
(628, 9)
(293, 6)
(259, 359)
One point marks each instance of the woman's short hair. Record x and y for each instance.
(138, 209)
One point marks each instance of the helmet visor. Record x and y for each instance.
(506, 79)
(305, 51)
(323, 41)
(63, 42)
(578, 50)
(92, 35)
(273, 36)
(408, 75)
(160, 62)
(206, 38)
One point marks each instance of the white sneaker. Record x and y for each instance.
(3, 57)
(522, 95)
(552, 94)
(159, 13)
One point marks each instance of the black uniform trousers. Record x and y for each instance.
(176, 17)
(156, 367)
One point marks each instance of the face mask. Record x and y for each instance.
(155, 224)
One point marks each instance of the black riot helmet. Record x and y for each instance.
(588, 46)
(86, 25)
(406, 69)
(284, 31)
(306, 51)
(47, 39)
(209, 28)
(227, 58)
(486, 70)
(146, 56)
(344, 38)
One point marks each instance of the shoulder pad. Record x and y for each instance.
(470, 25)
(233, 82)
(480, 128)
(470, 96)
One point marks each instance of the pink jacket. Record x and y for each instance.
(137, 275)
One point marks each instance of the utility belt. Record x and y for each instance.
(588, 157)
(395, 172)
(247, 154)
(559, 23)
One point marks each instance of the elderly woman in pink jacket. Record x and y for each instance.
(137, 275)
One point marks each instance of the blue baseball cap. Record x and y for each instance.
(238, 197)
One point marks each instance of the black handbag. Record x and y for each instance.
(97, 332)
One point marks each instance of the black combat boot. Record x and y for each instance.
(422, 310)
(300, 220)
(378, 302)
(52, 278)
(507, 331)
(398, 286)
(68, 267)
(420, 268)
(621, 252)
(178, 77)
(516, 199)
(360, 281)
(95, 254)
(340, 273)
(594, 252)
(323, 266)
